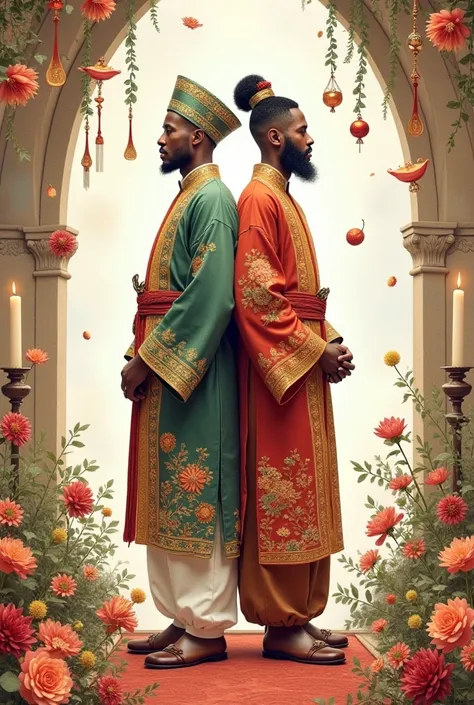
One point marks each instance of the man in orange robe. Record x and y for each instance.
(290, 492)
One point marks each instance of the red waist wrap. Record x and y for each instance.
(307, 306)
(150, 303)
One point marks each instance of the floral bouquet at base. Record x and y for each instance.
(61, 612)
(415, 589)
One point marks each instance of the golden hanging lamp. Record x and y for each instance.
(332, 96)
(415, 44)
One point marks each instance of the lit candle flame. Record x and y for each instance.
(13, 289)
(459, 280)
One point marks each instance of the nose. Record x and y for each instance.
(309, 140)
(162, 140)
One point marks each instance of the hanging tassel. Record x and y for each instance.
(99, 140)
(415, 126)
(56, 75)
(130, 152)
(415, 44)
(86, 160)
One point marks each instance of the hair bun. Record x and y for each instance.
(246, 89)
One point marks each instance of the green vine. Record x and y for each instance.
(464, 81)
(351, 33)
(86, 103)
(331, 29)
(131, 55)
(154, 14)
(394, 51)
(363, 31)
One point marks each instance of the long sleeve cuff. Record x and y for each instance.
(332, 336)
(177, 373)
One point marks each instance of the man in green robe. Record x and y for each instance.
(183, 476)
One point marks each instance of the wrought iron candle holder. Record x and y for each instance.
(456, 390)
(16, 390)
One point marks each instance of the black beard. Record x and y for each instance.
(294, 161)
(180, 161)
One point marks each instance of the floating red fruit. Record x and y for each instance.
(356, 236)
(86, 335)
(51, 191)
(360, 129)
(391, 281)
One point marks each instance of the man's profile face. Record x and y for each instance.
(296, 153)
(175, 143)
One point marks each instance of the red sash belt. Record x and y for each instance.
(150, 303)
(307, 306)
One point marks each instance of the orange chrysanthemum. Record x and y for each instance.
(378, 665)
(63, 585)
(398, 655)
(192, 479)
(452, 510)
(191, 22)
(467, 657)
(368, 560)
(400, 483)
(205, 513)
(110, 690)
(390, 599)
(414, 549)
(117, 614)
(167, 442)
(97, 10)
(390, 429)
(59, 639)
(379, 625)
(446, 30)
(383, 523)
(37, 356)
(90, 572)
(62, 243)
(78, 499)
(458, 556)
(20, 85)
(11, 514)
(437, 477)
(44, 680)
(16, 428)
(17, 558)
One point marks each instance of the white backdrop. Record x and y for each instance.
(118, 217)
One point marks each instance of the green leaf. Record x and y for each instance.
(40, 58)
(10, 682)
(69, 9)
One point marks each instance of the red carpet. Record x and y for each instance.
(248, 679)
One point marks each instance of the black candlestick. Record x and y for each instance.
(16, 390)
(456, 390)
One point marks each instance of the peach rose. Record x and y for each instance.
(44, 680)
(451, 625)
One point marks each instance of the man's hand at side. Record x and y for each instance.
(134, 375)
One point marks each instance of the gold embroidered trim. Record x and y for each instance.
(270, 176)
(198, 261)
(331, 333)
(207, 171)
(261, 95)
(170, 367)
(194, 116)
(209, 101)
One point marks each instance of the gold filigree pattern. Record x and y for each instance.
(198, 261)
(195, 117)
(209, 101)
(256, 287)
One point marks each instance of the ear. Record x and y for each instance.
(197, 137)
(274, 137)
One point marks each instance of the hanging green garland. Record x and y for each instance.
(154, 14)
(131, 87)
(363, 31)
(331, 28)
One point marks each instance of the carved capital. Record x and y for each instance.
(47, 264)
(428, 244)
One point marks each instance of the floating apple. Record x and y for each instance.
(86, 335)
(51, 191)
(391, 281)
(355, 236)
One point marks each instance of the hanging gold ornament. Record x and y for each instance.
(415, 44)
(332, 96)
(130, 152)
(100, 72)
(86, 161)
(55, 75)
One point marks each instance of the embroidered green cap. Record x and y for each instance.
(203, 109)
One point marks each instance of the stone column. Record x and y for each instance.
(50, 334)
(428, 243)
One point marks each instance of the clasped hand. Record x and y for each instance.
(134, 375)
(336, 362)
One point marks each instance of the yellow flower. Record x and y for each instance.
(411, 595)
(415, 621)
(137, 595)
(59, 535)
(107, 512)
(87, 659)
(38, 609)
(391, 358)
(78, 626)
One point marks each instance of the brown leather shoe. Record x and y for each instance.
(337, 641)
(188, 651)
(295, 644)
(155, 642)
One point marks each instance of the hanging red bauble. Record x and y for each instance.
(360, 129)
(332, 96)
(55, 75)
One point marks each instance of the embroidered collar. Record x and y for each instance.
(201, 173)
(270, 176)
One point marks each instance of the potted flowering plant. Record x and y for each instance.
(61, 609)
(415, 589)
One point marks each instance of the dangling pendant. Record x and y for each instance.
(415, 126)
(55, 75)
(99, 140)
(130, 152)
(86, 160)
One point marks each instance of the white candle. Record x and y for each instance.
(458, 326)
(16, 357)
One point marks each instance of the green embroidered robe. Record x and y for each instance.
(188, 442)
